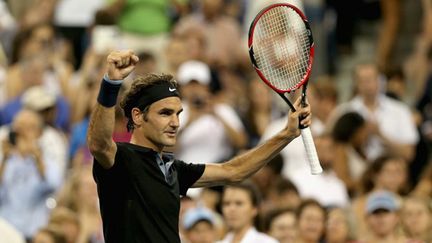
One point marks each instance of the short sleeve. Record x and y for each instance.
(188, 174)
(113, 174)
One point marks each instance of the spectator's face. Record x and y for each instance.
(337, 226)
(382, 222)
(283, 227)
(202, 232)
(197, 95)
(311, 223)
(211, 7)
(237, 208)
(392, 176)
(159, 126)
(416, 217)
(176, 53)
(289, 198)
(367, 81)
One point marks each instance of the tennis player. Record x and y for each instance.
(139, 185)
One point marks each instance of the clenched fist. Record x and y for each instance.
(121, 64)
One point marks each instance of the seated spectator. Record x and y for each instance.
(382, 218)
(199, 226)
(282, 194)
(240, 205)
(338, 227)
(416, 219)
(311, 218)
(350, 134)
(385, 173)
(281, 224)
(391, 125)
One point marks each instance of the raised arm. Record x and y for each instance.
(246, 164)
(99, 137)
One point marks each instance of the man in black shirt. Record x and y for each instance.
(139, 185)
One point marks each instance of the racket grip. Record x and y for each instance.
(311, 151)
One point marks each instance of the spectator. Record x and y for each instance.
(385, 173)
(350, 134)
(382, 218)
(281, 224)
(392, 127)
(222, 33)
(311, 217)
(240, 205)
(28, 176)
(283, 193)
(199, 226)
(416, 219)
(202, 115)
(338, 227)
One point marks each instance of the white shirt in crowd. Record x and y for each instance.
(205, 139)
(251, 236)
(394, 120)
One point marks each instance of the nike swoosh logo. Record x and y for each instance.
(171, 89)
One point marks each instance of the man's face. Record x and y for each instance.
(367, 81)
(382, 222)
(283, 227)
(311, 223)
(161, 123)
(202, 232)
(237, 208)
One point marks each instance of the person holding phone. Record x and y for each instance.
(28, 177)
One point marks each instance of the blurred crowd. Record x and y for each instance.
(370, 93)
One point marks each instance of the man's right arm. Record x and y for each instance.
(99, 136)
(101, 127)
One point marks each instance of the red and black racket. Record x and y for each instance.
(281, 49)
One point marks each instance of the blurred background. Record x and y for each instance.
(370, 91)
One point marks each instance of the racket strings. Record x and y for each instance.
(282, 47)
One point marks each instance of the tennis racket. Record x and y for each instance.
(281, 49)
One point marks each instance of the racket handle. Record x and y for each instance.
(311, 151)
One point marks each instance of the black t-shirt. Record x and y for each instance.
(137, 203)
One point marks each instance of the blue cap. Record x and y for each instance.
(195, 215)
(381, 200)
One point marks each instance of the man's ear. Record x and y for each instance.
(137, 116)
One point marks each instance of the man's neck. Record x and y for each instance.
(240, 233)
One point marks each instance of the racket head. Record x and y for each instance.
(281, 47)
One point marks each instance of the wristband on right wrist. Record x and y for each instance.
(108, 92)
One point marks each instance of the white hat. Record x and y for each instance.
(193, 70)
(37, 98)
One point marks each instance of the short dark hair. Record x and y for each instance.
(283, 185)
(309, 202)
(250, 188)
(346, 126)
(131, 97)
(273, 214)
